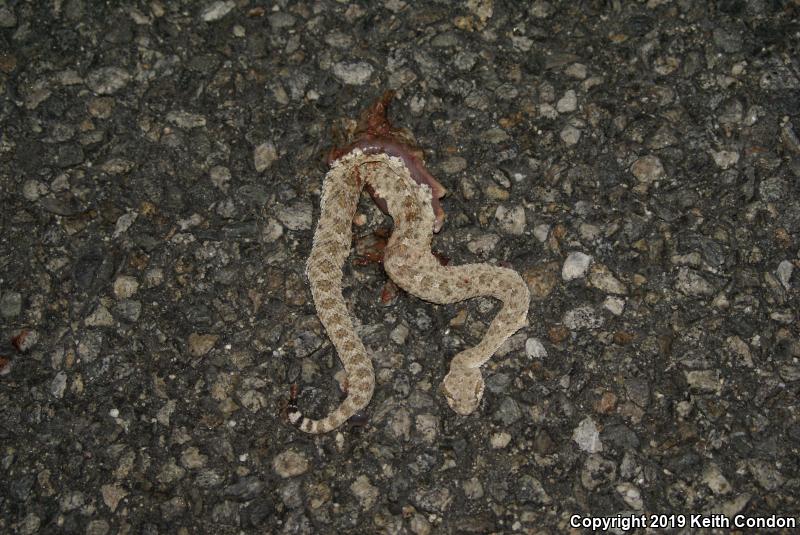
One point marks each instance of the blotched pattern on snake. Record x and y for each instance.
(382, 161)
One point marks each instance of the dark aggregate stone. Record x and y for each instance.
(245, 489)
(127, 148)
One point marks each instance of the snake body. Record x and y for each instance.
(396, 181)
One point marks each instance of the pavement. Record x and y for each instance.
(160, 170)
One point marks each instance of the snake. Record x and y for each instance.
(383, 161)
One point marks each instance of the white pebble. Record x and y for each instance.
(500, 440)
(784, 271)
(540, 232)
(615, 305)
(568, 103)
(534, 348)
(575, 266)
(587, 436)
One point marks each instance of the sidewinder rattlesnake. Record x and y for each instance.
(382, 160)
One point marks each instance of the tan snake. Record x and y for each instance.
(381, 160)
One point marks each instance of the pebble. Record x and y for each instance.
(29, 525)
(164, 413)
(570, 135)
(773, 189)
(153, 277)
(101, 317)
(576, 70)
(71, 500)
(11, 304)
(606, 404)
(33, 189)
(496, 193)
(290, 463)
(192, 459)
(500, 440)
(7, 17)
(725, 159)
(25, 339)
(631, 495)
(124, 222)
(716, 481)
(217, 10)
(789, 138)
(107, 80)
(691, 283)
(465, 60)
(208, 478)
(338, 39)
(648, 169)
(399, 334)
(399, 424)
(582, 317)
(535, 349)
(511, 220)
(548, 111)
(264, 156)
(597, 471)
(568, 103)
(201, 344)
(600, 277)
(453, 165)
(495, 136)
(125, 286)
(89, 345)
(101, 107)
(575, 266)
(427, 425)
(528, 489)
(473, 488)
(741, 350)
(364, 491)
(59, 385)
(220, 177)
(247, 488)
(765, 474)
(112, 495)
(541, 9)
(173, 508)
(291, 495)
(704, 380)
(508, 412)
(170, 472)
(615, 305)
(97, 527)
(541, 280)
(114, 166)
(271, 231)
(353, 73)
(587, 437)
(435, 500)
(296, 216)
(281, 19)
(784, 272)
(483, 244)
(185, 119)
(541, 231)
(419, 525)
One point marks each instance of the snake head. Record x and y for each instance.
(463, 389)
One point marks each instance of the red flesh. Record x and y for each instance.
(375, 135)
